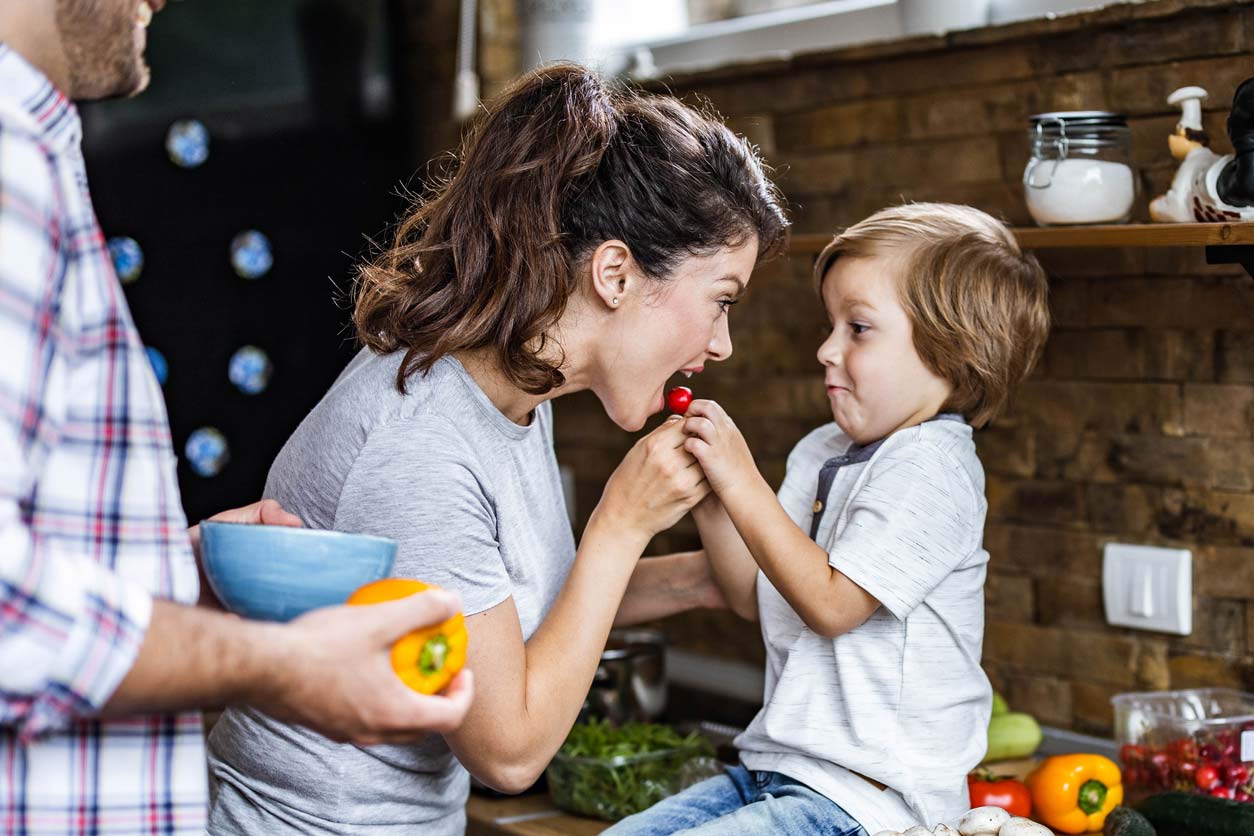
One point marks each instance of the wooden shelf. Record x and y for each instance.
(1136, 235)
(1115, 235)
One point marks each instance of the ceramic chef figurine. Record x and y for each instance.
(1208, 187)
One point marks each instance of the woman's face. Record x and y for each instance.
(658, 329)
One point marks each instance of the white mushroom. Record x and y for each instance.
(943, 829)
(983, 821)
(1024, 827)
(917, 830)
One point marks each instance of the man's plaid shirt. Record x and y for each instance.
(91, 526)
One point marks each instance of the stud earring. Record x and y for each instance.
(615, 302)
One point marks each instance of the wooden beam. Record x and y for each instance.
(1114, 235)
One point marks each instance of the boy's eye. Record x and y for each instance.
(725, 305)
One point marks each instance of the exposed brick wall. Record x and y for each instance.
(1138, 425)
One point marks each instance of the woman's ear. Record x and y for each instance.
(612, 279)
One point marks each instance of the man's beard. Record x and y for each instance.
(98, 37)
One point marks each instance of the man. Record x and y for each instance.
(103, 655)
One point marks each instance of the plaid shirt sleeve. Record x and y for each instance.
(70, 627)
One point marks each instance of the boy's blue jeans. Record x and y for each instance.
(742, 801)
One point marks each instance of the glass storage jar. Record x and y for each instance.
(1080, 170)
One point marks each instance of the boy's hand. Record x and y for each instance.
(716, 443)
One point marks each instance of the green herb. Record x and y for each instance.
(611, 772)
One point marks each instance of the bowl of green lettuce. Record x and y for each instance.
(610, 772)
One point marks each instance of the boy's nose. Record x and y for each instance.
(829, 352)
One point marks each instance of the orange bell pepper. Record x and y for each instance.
(427, 659)
(1075, 793)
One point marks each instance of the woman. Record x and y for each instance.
(590, 239)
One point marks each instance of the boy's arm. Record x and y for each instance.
(828, 602)
(731, 564)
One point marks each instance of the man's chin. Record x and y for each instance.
(140, 84)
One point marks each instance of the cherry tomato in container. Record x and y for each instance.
(1206, 777)
(679, 399)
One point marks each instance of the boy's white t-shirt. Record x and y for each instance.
(902, 699)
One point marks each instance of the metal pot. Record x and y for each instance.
(630, 682)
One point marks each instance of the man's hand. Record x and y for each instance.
(333, 673)
(329, 670)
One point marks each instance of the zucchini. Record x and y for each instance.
(1185, 814)
(1124, 821)
(1012, 735)
(999, 705)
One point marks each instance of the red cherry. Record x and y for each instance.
(1235, 775)
(1207, 777)
(679, 399)
(1184, 749)
(1223, 792)
(1131, 753)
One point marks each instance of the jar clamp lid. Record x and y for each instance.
(1060, 131)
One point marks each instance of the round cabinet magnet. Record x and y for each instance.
(159, 365)
(128, 258)
(251, 256)
(207, 452)
(187, 143)
(250, 370)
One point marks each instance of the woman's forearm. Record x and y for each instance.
(666, 585)
(528, 696)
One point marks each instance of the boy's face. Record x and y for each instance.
(876, 381)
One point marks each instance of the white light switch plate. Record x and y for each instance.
(1148, 588)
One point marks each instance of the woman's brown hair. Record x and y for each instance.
(560, 163)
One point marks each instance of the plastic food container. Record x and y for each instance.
(1199, 740)
(615, 787)
(1080, 168)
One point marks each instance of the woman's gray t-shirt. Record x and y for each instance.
(475, 504)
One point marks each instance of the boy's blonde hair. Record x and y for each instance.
(977, 303)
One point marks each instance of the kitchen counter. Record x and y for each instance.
(535, 814)
(525, 815)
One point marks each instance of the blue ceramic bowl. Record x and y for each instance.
(275, 573)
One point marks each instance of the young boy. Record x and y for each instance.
(867, 572)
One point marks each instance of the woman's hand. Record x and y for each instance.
(716, 443)
(655, 484)
(265, 512)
